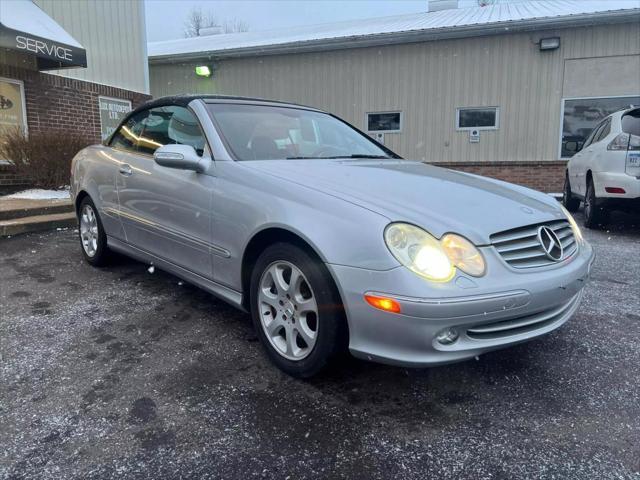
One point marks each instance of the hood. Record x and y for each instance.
(436, 199)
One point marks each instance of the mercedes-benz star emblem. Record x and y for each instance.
(550, 243)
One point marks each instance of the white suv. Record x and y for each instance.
(605, 172)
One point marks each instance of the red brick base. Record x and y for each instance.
(544, 176)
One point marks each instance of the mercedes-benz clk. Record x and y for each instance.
(329, 239)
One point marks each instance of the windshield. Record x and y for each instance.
(259, 132)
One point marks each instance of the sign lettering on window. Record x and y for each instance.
(112, 111)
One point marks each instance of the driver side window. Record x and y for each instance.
(170, 125)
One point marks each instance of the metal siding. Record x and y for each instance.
(113, 33)
(427, 81)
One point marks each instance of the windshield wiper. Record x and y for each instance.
(359, 155)
(355, 155)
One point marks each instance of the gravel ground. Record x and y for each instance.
(119, 373)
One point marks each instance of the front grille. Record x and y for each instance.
(520, 248)
(525, 324)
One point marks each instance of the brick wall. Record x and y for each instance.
(544, 176)
(60, 103)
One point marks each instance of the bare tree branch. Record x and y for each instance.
(197, 20)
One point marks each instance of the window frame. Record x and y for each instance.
(401, 123)
(24, 102)
(108, 142)
(563, 101)
(467, 129)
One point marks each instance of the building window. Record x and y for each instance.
(477, 118)
(12, 104)
(384, 122)
(581, 115)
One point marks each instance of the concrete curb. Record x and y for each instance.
(37, 223)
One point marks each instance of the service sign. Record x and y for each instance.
(112, 111)
(51, 54)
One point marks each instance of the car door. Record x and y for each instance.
(599, 147)
(167, 211)
(579, 163)
(120, 154)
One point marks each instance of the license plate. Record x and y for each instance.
(633, 159)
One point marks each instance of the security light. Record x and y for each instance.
(203, 71)
(551, 43)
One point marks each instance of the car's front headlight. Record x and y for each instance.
(433, 259)
(574, 226)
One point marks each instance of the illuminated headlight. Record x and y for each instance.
(433, 259)
(574, 226)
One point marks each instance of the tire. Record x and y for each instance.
(568, 200)
(301, 341)
(595, 215)
(93, 240)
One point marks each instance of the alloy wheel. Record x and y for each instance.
(288, 310)
(89, 230)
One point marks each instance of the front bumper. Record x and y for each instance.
(503, 308)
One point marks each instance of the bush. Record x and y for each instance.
(42, 157)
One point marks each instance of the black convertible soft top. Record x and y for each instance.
(184, 100)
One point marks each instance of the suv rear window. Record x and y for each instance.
(631, 122)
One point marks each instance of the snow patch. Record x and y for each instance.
(40, 194)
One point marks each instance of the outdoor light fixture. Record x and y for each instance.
(203, 71)
(551, 43)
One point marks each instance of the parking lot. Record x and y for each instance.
(119, 373)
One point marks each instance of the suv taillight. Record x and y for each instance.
(624, 142)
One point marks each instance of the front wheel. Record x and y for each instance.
(296, 310)
(595, 215)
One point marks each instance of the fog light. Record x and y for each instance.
(447, 337)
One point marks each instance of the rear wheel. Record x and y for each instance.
(93, 240)
(296, 310)
(595, 215)
(568, 200)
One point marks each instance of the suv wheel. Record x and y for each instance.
(568, 200)
(296, 310)
(595, 215)
(93, 240)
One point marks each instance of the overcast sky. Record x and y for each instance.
(165, 18)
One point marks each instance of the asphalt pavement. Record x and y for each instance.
(120, 373)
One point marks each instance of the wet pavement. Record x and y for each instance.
(119, 373)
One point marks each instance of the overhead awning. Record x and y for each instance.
(25, 28)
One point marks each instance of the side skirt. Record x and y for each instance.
(224, 293)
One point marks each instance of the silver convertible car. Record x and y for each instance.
(328, 238)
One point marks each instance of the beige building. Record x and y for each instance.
(491, 89)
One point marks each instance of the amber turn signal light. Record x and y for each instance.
(383, 303)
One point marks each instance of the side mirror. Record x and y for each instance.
(183, 157)
(572, 147)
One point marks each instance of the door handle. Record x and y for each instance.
(125, 170)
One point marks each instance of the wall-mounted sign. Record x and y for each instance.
(57, 50)
(474, 136)
(377, 136)
(112, 111)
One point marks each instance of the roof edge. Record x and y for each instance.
(411, 36)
